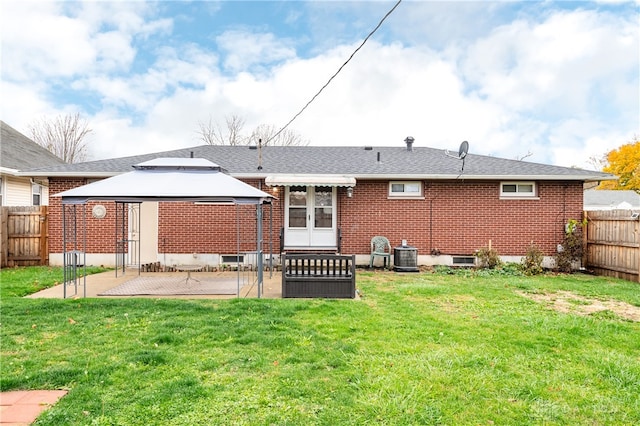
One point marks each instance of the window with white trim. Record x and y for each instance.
(405, 189)
(36, 193)
(518, 190)
(1, 191)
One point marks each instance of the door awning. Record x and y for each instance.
(309, 180)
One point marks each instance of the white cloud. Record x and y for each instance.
(553, 65)
(38, 41)
(26, 104)
(575, 141)
(65, 39)
(245, 49)
(562, 86)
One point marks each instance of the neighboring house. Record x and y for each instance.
(608, 199)
(19, 153)
(335, 199)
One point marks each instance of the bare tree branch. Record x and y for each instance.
(522, 157)
(64, 136)
(213, 133)
(286, 137)
(598, 163)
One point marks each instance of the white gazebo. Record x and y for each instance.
(162, 179)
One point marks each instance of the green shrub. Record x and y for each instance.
(571, 248)
(532, 262)
(488, 258)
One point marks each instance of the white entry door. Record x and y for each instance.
(310, 216)
(134, 234)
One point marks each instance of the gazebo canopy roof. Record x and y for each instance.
(169, 179)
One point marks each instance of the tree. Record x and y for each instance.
(624, 162)
(270, 136)
(598, 162)
(63, 136)
(213, 133)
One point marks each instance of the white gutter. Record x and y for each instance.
(586, 178)
(8, 171)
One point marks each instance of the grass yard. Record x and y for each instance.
(458, 349)
(18, 282)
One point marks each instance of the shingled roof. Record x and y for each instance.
(358, 162)
(599, 199)
(18, 152)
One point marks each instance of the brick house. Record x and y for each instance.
(335, 199)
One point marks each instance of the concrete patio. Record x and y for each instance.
(98, 284)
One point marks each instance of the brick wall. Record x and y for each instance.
(100, 236)
(193, 228)
(460, 217)
(454, 217)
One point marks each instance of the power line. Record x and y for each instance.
(336, 73)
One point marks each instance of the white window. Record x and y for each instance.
(1, 191)
(518, 190)
(405, 189)
(36, 193)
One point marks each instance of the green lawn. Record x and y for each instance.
(18, 282)
(416, 349)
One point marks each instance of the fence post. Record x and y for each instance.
(44, 236)
(4, 236)
(637, 240)
(585, 239)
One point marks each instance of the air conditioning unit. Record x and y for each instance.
(405, 259)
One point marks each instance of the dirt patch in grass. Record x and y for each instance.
(568, 302)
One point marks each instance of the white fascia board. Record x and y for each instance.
(585, 178)
(71, 174)
(8, 171)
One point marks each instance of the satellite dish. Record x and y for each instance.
(464, 149)
(462, 153)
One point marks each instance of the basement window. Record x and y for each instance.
(463, 260)
(518, 190)
(406, 189)
(232, 258)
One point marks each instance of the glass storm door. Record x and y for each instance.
(310, 216)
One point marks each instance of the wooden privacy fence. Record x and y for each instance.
(24, 236)
(613, 244)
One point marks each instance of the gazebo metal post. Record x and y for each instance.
(270, 240)
(259, 247)
(64, 251)
(238, 249)
(139, 238)
(84, 250)
(72, 257)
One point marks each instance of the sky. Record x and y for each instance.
(553, 82)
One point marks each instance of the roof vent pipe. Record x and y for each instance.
(409, 141)
(378, 156)
(191, 154)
